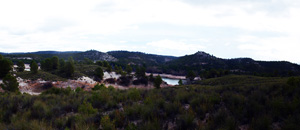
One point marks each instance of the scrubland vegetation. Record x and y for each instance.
(228, 102)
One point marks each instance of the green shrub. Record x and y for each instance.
(100, 99)
(186, 120)
(279, 107)
(111, 88)
(86, 108)
(119, 118)
(293, 81)
(222, 120)
(291, 123)
(151, 125)
(99, 87)
(148, 112)
(172, 109)
(131, 126)
(261, 123)
(148, 101)
(183, 97)
(58, 91)
(133, 112)
(107, 124)
(134, 94)
(78, 90)
(39, 110)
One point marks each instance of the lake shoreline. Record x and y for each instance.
(168, 76)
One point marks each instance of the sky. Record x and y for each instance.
(260, 29)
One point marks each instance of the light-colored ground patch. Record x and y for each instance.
(111, 75)
(86, 80)
(27, 86)
(38, 86)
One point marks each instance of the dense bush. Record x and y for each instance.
(225, 105)
(107, 124)
(99, 87)
(143, 81)
(86, 108)
(124, 80)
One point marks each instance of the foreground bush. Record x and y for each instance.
(226, 106)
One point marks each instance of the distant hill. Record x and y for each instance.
(202, 61)
(77, 55)
(139, 58)
(94, 55)
(55, 52)
(196, 62)
(199, 62)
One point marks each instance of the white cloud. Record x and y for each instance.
(278, 48)
(176, 48)
(34, 25)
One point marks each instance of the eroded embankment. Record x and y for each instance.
(36, 87)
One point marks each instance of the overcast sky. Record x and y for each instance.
(260, 29)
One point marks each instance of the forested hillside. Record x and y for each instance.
(201, 63)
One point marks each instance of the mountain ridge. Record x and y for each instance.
(58, 52)
(199, 62)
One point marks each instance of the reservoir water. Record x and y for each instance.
(172, 81)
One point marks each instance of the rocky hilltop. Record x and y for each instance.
(96, 55)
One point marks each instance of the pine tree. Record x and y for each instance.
(109, 69)
(48, 66)
(105, 64)
(180, 82)
(128, 69)
(10, 83)
(99, 73)
(34, 67)
(191, 75)
(100, 63)
(151, 78)
(62, 64)
(157, 81)
(70, 68)
(55, 62)
(21, 66)
(140, 72)
(5, 67)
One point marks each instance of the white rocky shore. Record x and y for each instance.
(167, 76)
(36, 87)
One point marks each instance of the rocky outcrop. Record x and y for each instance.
(96, 55)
